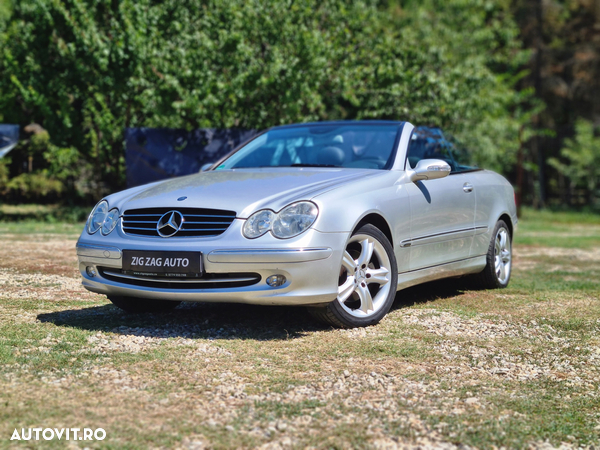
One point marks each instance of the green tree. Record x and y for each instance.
(86, 69)
(580, 160)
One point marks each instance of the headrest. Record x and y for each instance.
(333, 156)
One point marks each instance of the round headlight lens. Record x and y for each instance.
(97, 217)
(258, 223)
(110, 222)
(294, 219)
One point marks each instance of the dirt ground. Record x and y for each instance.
(448, 368)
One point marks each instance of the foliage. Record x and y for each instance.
(87, 69)
(4, 173)
(33, 187)
(5, 12)
(565, 74)
(472, 59)
(580, 160)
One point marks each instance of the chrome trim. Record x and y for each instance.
(481, 230)
(189, 215)
(176, 223)
(98, 251)
(180, 280)
(269, 255)
(441, 237)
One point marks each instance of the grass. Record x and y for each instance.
(507, 368)
(558, 229)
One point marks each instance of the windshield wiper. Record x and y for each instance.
(311, 165)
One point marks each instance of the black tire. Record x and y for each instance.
(348, 311)
(489, 277)
(142, 305)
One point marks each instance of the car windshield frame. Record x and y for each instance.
(333, 145)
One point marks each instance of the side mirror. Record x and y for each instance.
(429, 169)
(205, 167)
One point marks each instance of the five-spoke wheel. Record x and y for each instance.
(496, 273)
(367, 281)
(502, 255)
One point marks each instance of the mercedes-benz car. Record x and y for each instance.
(334, 216)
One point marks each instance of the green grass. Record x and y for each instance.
(55, 214)
(44, 228)
(558, 229)
(239, 376)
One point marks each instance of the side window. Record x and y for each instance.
(462, 161)
(430, 143)
(415, 151)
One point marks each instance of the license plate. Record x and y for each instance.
(162, 264)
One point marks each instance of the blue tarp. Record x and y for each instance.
(153, 154)
(9, 137)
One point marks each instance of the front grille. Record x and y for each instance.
(207, 281)
(196, 221)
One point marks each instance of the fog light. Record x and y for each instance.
(91, 271)
(276, 280)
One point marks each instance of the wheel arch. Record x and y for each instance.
(378, 221)
(508, 221)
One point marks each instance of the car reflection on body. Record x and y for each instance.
(335, 216)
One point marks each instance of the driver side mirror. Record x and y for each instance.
(429, 169)
(205, 167)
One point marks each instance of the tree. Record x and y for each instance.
(580, 161)
(86, 69)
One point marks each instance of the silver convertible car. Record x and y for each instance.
(335, 216)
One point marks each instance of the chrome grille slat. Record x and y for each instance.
(196, 221)
(207, 281)
(206, 215)
(143, 215)
(180, 280)
(202, 223)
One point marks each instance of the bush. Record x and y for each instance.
(33, 187)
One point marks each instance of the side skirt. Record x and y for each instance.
(454, 269)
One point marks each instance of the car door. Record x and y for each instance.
(442, 211)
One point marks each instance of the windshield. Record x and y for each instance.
(352, 145)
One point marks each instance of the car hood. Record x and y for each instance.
(241, 190)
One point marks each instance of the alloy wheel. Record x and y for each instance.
(364, 282)
(502, 255)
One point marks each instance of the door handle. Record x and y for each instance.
(467, 187)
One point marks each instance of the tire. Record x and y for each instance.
(142, 305)
(497, 271)
(366, 284)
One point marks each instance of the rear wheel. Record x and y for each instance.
(498, 260)
(367, 282)
(142, 305)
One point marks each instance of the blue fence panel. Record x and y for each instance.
(153, 154)
(9, 137)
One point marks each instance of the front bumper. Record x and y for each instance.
(310, 263)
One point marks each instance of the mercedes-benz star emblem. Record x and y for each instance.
(169, 224)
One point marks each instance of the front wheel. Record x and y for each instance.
(367, 282)
(142, 305)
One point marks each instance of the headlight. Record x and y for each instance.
(289, 222)
(97, 217)
(258, 223)
(110, 222)
(294, 219)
